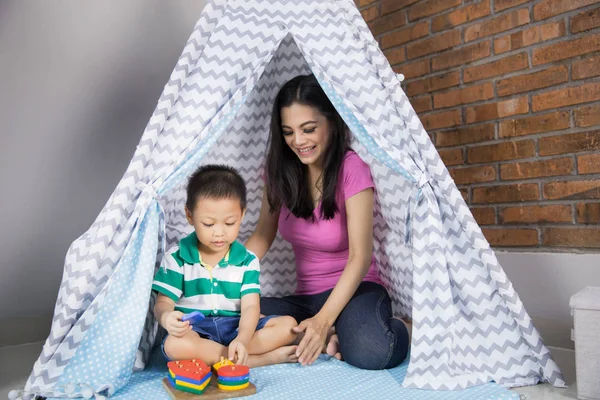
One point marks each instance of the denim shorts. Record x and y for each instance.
(221, 330)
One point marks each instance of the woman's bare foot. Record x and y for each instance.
(333, 347)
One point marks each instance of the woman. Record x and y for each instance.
(319, 195)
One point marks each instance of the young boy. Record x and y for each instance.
(212, 273)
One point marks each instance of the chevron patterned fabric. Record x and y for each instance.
(470, 326)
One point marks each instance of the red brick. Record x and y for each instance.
(433, 83)
(442, 119)
(536, 169)
(484, 173)
(464, 95)
(462, 56)
(500, 5)
(461, 16)
(526, 83)
(588, 164)
(501, 151)
(572, 143)
(501, 109)
(572, 237)
(422, 103)
(434, 44)
(484, 215)
(405, 35)
(586, 68)
(506, 193)
(465, 135)
(396, 56)
(388, 23)
(588, 213)
(567, 49)
(452, 156)
(572, 190)
(587, 116)
(497, 25)
(584, 93)
(496, 68)
(369, 14)
(550, 8)
(465, 194)
(511, 237)
(554, 121)
(388, 6)
(531, 214)
(527, 37)
(414, 69)
(585, 21)
(430, 7)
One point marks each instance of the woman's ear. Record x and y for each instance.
(188, 215)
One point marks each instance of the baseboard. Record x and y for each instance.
(21, 330)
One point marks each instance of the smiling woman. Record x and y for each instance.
(319, 195)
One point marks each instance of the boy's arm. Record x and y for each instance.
(250, 301)
(250, 313)
(162, 307)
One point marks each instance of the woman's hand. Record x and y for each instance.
(315, 333)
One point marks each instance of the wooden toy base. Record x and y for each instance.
(212, 392)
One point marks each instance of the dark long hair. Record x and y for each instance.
(287, 177)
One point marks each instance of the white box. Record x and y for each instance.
(585, 306)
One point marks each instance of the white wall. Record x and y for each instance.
(78, 83)
(545, 283)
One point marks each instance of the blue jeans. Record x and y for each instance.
(219, 329)
(369, 337)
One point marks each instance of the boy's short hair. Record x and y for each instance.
(215, 182)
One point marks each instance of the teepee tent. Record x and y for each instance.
(469, 325)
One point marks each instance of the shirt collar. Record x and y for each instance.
(188, 250)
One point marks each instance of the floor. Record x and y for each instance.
(17, 361)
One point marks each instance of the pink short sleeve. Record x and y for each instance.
(356, 175)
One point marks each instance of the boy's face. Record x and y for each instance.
(216, 222)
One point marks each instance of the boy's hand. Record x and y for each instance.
(173, 324)
(238, 352)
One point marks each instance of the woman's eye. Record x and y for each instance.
(309, 130)
(286, 133)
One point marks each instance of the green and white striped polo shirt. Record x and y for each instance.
(196, 286)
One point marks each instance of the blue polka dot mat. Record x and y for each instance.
(327, 378)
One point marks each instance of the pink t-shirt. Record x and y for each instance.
(321, 247)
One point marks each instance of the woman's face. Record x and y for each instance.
(306, 131)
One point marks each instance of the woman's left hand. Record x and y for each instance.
(315, 333)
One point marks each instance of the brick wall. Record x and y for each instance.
(510, 92)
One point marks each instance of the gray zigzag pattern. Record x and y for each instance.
(431, 159)
(440, 261)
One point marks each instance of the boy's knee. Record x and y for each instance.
(283, 321)
(172, 347)
(286, 324)
(289, 322)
